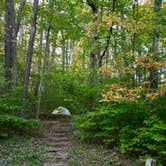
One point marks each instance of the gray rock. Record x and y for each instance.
(150, 162)
(61, 111)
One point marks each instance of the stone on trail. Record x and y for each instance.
(61, 111)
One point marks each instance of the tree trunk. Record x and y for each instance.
(29, 57)
(42, 72)
(37, 82)
(63, 53)
(17, 25)
(53, 55)
(93, 57)
(154, 70)
(101, 56)
(133, 40)
(9, 42)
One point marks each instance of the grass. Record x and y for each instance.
(18, 151)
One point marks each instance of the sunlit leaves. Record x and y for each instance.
(146, 61)
(118, 93)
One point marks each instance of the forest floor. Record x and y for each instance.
(57, 147)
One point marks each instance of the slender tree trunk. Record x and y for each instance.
(63, 53)
(37, 82)
(17, 25)
(41, 85)
(70, 52)
(29, 57)
(135, 10)
(40, 50)
(9, 42)
(67, 54)
(154, 70)
(93, 56)
(53, 55)
(103, 54)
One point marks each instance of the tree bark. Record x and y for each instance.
(39, 64)
(42, 72)
(63, 52)
(9, 42)
(93, 56)
(154, 70)
(29, 57)
(17, 25)
(53, 55)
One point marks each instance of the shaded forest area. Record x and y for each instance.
(104, 60)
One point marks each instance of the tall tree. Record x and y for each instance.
(43, 70)
(29, 56)
(93, 56)
(154, 70)
(53, 55)
(9, 42)
(17, 25)
(12, 28)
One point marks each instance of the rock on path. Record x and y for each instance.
(57, 140)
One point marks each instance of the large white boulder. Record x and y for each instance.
(61, 111)
(150, 162)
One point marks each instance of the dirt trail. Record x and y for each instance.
(60, 142)
(57, 140)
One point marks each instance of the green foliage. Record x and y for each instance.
(11, 125)
(130, 127)
(150, 138)
(71, 91)
(2, 79)
(11, 102)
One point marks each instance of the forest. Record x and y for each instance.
(104, 60)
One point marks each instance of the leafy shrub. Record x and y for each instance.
(109, 119)
(11, 101)
(69, 91)
(150, 138)
(10, 125)
(131, 127)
